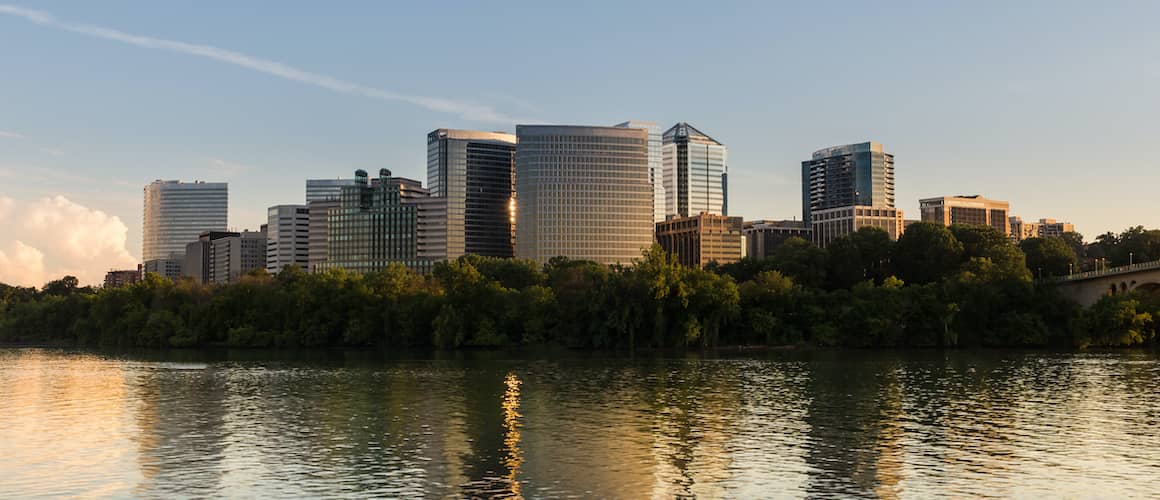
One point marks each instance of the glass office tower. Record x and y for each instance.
(583, 193)
(846, 176)
(177, 212)
(372, 227)
(655, 164)
(694, 172)
(474, 173)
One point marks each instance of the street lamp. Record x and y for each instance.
(1130, 255)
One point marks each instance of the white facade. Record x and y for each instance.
(694, 170)
(287, 237)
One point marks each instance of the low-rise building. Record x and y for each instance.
(831, 224)
(169, 268)
(1044, 228)
(115, 278)
(763, 236)
(975, 209)
(701, 239)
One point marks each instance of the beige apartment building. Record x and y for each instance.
(1044, 228)
(974, 209)
(701, 239)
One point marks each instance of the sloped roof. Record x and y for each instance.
(683, 130)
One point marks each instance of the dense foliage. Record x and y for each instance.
(935, 287)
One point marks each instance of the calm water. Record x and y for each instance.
(873, 424)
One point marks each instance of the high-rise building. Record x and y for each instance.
(763, 236)
(287, 237)
(325, 189)
(199, 259)
(694, 172)
(833, 223)
(973, 209)
(373, 226)
(701, 239)
(474, 175)
(655, 164)
(117, 278)
(847, 176)
(582, 192)
(321, 196)
(176, 213)
(236, 255)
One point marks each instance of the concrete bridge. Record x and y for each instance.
(1087, 288)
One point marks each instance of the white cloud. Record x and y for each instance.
(10, 135)
(223, 168)
(21, 264)
(467, 111)
(52, 151)
(53, 237)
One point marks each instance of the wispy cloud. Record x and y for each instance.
(52, 151)
(465, 110)
(10, 135)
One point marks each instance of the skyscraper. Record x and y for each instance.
(694, 172)
(287, 237)
(373, 226)
(846, 176)
(582, 192)
(655, 164)
(175, 213)
(474, 175)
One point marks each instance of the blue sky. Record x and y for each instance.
(1050, 105)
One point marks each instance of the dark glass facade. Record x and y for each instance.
(845, 176)
(474, 172)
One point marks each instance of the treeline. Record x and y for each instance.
(961, 286)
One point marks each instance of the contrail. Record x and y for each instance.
(472, 112)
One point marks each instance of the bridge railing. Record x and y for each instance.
(1111, 271)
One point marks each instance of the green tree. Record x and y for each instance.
(926, 253)
(1048, 257)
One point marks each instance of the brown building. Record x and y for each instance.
(1045, 228)
(701, 239)
(122, 278)
(763, 236)
(974, 210)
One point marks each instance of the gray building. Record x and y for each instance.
(582, 192)
(373, 227)
(287, 237)
(473, 173)
(763, 236)
(166, 268)
(199, 257)
(236, 255)
(846, 176)
(175, 213)
(655, 164)
(694, 172)
(322, 195)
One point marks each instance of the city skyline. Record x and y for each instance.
(1029, 126)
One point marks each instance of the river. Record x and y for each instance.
(791, 424)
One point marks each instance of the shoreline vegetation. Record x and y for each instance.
(963, 286)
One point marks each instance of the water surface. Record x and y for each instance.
(782, 424)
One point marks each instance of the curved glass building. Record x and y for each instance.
(583, 193)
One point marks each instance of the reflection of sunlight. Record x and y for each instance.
(511, 437)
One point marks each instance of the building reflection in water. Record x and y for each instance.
(511, 427)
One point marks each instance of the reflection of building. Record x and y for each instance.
(763, 236)
(974, 210)
(846, 176)
(701, 239)
(655, 164)
(373, 227)
(583, 193)
(122, 278)
(831, 224)
(288, 237)
(472, 175)
(1045, 228)
(694, 172)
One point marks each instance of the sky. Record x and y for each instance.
(1049, 105)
